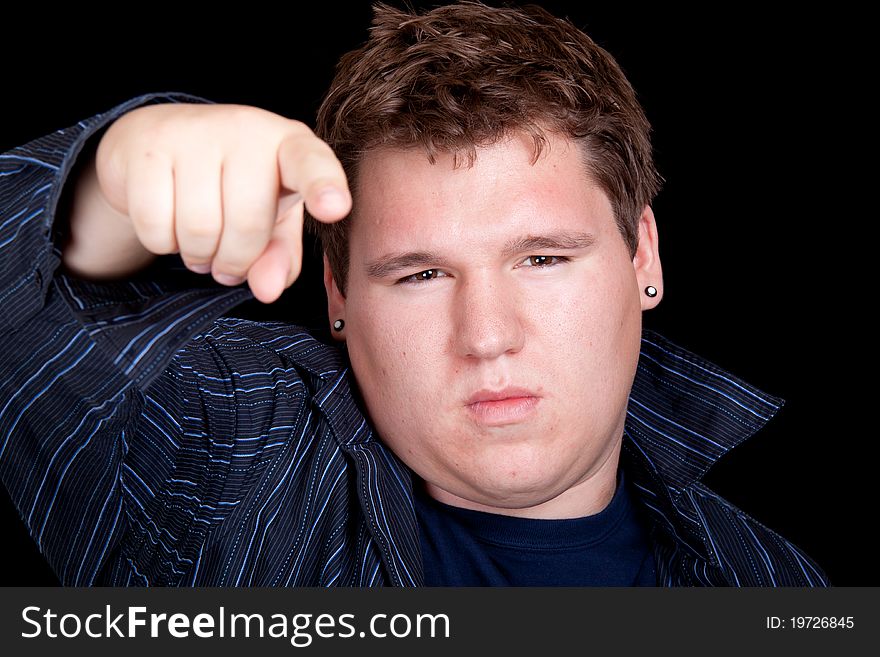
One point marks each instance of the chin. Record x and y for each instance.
(518, 490)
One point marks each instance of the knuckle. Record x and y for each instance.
(307, 146)
(246, 119)
(154, 235)
(235, 262)
(200, 231)
(157, 243)
(322, 151)
(159, 129)
(193, 254)
(242, 117)
(300, 129)
(148, 220)
(229, 269)
(248, 234)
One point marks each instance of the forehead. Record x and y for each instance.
(401, 197)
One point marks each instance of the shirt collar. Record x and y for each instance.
(685, 412)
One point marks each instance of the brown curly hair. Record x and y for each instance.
(465, 75)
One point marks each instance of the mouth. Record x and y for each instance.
(502, 407)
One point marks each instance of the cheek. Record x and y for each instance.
(595, 307)
(381, 351)
(378, 349)
(592, 334)
(396, 359)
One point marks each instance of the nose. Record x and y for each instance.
(488, 321)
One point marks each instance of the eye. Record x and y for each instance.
(543, 261)
(422, 276)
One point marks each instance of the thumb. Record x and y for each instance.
(281, 262)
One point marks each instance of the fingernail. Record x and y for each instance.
(200, 269)
(226, 279)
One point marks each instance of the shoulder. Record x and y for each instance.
(750, 553)
(237, 358)
(248, 345)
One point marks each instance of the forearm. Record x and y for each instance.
(79, 356)
(102, 243)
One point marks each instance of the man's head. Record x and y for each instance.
(498, 244)
(465, 75)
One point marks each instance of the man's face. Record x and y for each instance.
(493, 321)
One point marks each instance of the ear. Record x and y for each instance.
(335, 300)
(646, 260)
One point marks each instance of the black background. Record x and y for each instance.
(757, 241)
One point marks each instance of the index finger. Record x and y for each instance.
(309, 166)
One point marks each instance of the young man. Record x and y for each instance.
(482, 183)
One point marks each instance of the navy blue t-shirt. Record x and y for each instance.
(462, 547)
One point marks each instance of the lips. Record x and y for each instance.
(510, 405)
(499, 395)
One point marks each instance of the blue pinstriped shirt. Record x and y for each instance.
(146, 439)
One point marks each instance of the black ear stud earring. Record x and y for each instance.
(651, 291)
(338, 325)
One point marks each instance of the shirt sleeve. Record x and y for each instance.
(78, 361)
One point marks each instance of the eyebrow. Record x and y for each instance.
(563, 241)
(392, 263)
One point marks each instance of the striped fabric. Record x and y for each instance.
(146, 439)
